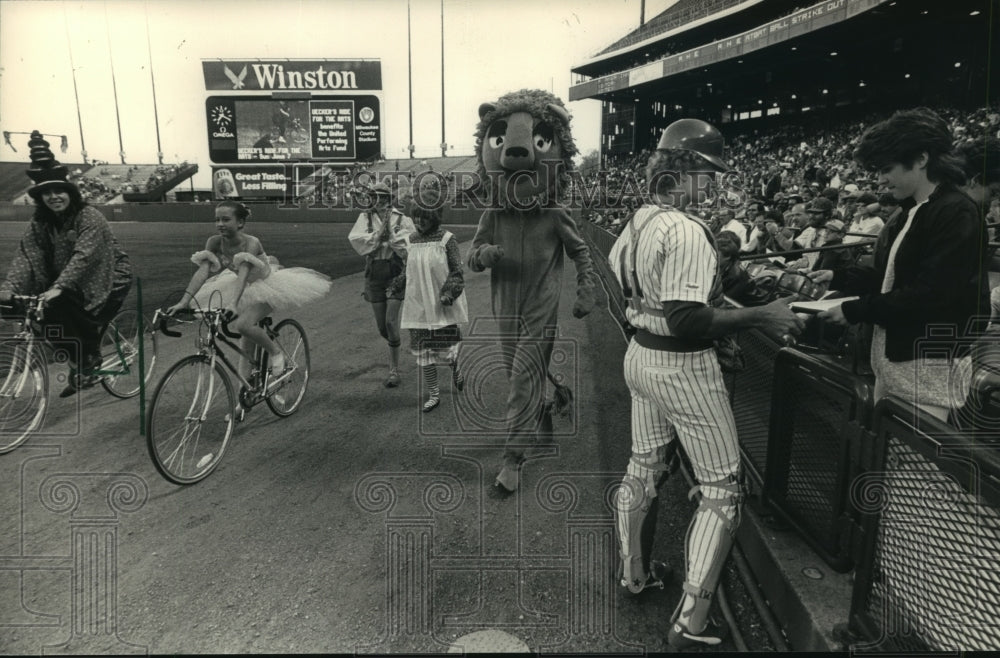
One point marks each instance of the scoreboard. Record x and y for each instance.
(288, 112)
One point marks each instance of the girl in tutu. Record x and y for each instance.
(235, 273)
(433, 305)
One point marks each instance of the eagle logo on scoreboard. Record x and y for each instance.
(237, 80)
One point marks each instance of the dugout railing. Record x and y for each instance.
(910, 503)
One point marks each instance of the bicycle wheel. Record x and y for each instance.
(120, 354)
(24, 389)
(289, 388)
(190, 420)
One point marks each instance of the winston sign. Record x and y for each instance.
(292, 75)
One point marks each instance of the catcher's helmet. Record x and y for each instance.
(698, 136)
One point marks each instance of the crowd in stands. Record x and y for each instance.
(104, 182)
(800, 190)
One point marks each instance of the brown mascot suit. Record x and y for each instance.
(525, 148)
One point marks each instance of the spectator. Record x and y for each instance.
(927, 271)
(820, 211)
(728, 222)
(835, 259)
(866, 221)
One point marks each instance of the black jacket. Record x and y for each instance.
(941, 278)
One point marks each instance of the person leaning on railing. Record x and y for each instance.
(928, 269)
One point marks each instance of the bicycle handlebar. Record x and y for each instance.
(160, 319)
(33, 302)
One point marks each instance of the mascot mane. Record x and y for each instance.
(535, 102)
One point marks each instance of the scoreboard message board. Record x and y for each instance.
(262, 115)
(341, 128)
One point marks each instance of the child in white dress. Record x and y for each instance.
(434, 304)
(236, 274)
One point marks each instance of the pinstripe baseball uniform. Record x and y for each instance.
(665, 255)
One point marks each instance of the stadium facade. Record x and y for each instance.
(749, 64)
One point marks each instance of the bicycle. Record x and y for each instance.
(119, 369)
(194, 408)
(24, 375)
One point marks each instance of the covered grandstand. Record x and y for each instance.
(747, 64)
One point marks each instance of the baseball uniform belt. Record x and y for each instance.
(671, 343)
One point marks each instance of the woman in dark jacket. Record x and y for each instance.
(70, 257)
(927, 291)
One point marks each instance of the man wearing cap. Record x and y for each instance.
(820, 211)
(668, 267)
(380, 236)
(70, 258)
(835, 259)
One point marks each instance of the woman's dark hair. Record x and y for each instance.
(76, 204)
(728, 244)
(434, 215)
(906, 135)
(981, 159)
(241, 212)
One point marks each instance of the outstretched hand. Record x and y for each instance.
(834, 315)
(777, 319)
(50, 294)
(821, 276)
(490, 255)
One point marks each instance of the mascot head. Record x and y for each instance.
(523, 143)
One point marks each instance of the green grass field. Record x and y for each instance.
(160, 251)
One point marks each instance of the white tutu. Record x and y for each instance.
(282, 288)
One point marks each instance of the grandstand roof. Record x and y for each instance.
(680, 17)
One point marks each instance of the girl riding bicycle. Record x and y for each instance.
(234, 272)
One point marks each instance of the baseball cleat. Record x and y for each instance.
(659, 573)
(680, 638)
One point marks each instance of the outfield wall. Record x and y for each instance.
(204, 212)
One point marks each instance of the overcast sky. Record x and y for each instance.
(490, 48)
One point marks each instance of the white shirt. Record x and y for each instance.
(871, 225)
(674, 262)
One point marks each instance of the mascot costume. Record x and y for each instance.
(525, 149)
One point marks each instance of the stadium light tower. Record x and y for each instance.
(114, 86)
(444, 142)
(409, 75)
(76, 95)
(152, 80)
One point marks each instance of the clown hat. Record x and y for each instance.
(45, 171)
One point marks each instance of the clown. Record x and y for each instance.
(524, 147)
